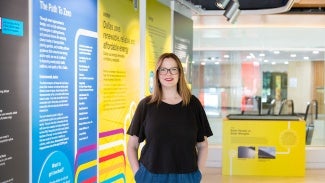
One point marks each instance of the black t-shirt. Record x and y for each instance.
(170, 133)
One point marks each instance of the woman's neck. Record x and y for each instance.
(171, 97)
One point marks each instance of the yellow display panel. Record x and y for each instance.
(119, 90)
(263, 147)
(158, 38)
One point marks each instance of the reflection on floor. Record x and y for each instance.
(213, 175)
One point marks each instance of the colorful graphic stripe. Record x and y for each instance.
(81, 151)
(113, 155)
(110, 168)
(115, 178)
(83, 167)
(90, 180)
(112, 132)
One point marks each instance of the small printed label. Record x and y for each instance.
(12, 27)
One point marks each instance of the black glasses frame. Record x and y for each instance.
(172, 70)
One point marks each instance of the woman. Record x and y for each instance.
(174, 126)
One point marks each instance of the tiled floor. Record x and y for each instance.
(213, 175)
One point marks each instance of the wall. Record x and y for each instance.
(14, 91)
(300, 83)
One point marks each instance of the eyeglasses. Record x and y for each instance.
(164, 71)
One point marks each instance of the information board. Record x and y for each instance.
(263, 147)
(14, 91)
(64, 91)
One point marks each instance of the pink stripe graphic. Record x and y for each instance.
(90, 180)
(112, 132)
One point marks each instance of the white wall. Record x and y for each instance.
(300, 79)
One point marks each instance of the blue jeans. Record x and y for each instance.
(144, 176)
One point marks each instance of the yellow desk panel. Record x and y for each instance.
(263, 147)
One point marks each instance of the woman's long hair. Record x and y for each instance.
(182, 87)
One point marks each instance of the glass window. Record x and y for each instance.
(247, 78)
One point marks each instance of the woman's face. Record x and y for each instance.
(168, 73)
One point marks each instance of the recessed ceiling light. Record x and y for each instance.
(306, 58)
(266, 61)
(286, 62)
(217, 63)
(315, 52)
(293, 55)
(262, 55)
(226, 56)
(273, 63)
(202, 63)
(276, 52)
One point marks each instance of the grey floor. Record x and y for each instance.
(213, 175)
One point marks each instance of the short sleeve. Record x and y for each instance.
(137, 124)
(204, 128)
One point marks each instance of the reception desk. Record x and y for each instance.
(263, 145)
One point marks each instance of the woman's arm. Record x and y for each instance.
(202, 149)
(132, 153)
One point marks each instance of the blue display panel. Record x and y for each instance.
(64, 91)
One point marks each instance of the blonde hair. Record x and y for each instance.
(182, 87)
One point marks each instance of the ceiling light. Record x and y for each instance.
(232, 11)
(226, 56)
(262, 55)
(234, 17)
(276, 52)
(222, 3)
(293, 55)
(315, 52)
(306, 58)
